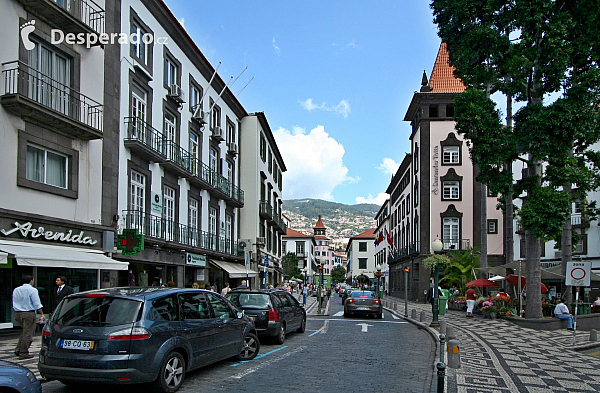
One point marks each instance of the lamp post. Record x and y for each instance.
(406, 291)
(437, 247)
(378, 275)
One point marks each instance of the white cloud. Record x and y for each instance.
(276, 48)
(349, 45)
(343, 108)
(388, 166)
(314, 163)
(378, 200)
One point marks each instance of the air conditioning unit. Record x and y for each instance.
(232, 148)
(217, 133)
(199, 116)
(261, 241)
(176, 93)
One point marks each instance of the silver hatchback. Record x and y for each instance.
(363, 302)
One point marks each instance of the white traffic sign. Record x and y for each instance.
(578, 274)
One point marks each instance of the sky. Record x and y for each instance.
(334, 79)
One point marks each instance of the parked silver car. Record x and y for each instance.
(136, 335)
(363, 302)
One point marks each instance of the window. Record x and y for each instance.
(193, 222)
(194, 150)
(300, 248)
(228, 226)
(230, 171)
(212, 160)
(194, 306)
(416, 192)
(362, 263)
(215, 116)
(451, 232)
(171, 72)
(220, 307)
(165, 309)
(170, 127)
(195, 97)
(492, 226)
(263, 148)
(169, 211)
(50, 78)
(416, 158)
(230, 132)
(451, 155)
(433, 111)
(46, 167)
(137, 192)
(270, 161)
(139, 48)
(451, 190)
(317, 253)
(283, 247)
(362, 246)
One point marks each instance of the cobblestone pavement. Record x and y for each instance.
(499, 356)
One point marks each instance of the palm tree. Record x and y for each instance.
(460, 270)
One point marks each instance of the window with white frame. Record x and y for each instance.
(451, 190)
(169, 211)
(230, 171)
(230, 132)
(195, 97)
(451, 155)
(193, 222)
(212, 161)
(170, 132)
(170, 72)
(139, 48)
(47, 167)
(212, 227)
(194, 149)
(215, 115)
(229, 226)
(137, 191)
(451, 233)
(50, 79)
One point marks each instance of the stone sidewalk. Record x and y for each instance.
(498, 356)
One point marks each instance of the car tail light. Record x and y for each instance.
(95, 295)
(137, 333)
(46, 331)
(350, 300)
(273, 315)
(376, 301)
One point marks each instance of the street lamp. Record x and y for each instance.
(406, 291)
(378, 275)
(437, 247)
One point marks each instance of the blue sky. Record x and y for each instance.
(334, 79)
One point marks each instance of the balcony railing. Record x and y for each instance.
(29, 92)
(456, 244)
(269, 213)
(144, 139)
(168, 230)
(399, 253)
(72, 16)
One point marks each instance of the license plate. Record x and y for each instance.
(362, 308)
(252, 317)
(77, 344)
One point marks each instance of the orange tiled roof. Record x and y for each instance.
(319, 223)
(442, 77)
(369, 233)
(293, 233)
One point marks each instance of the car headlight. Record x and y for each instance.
(31, 377)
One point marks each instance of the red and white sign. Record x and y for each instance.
(578, 274)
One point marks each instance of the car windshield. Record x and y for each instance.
(362, 294)
(96, 311)
(250, 300)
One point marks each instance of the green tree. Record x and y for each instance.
(529, 50)
(338, 274)
(289, 264)
(461, 267)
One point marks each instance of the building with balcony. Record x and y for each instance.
(303, 246)
(361, 258)
(383, 244)
(261, 221)
(179, 167)
(56, 105)
(434, 192)
(323, 251)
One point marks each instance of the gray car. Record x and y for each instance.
(363, 302)
(18, 379)
(136, 335)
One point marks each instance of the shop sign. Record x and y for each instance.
(27, 229)
(195, 259)
(156, 205)
(130, 242)
(200, 275)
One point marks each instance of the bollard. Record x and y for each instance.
(422, 316)
(453, 353)
(593, 335)
(442, 326)
(450, 333)
(441, 367)
(395, 306)
(442, 346)
(413, 314)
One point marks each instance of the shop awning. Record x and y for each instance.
(234, 270)
(34, 254)
(3, 258)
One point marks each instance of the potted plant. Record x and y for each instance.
(489, 309)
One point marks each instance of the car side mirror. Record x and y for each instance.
(240, 314)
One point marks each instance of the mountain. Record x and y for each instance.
(342, 221)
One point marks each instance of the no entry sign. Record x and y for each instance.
(578, 274)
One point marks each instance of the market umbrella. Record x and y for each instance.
(481, 282)
(513, 280)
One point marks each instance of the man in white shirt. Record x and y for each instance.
(561, 311)
(26, 300)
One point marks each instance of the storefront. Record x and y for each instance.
(47, 250)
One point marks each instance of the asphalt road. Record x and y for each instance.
(334, 354)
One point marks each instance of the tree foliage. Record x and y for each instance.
(289, 264)
(460, 270)
(544, 54)
(338, 274)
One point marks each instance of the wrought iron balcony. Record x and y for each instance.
(178, 159)
(268, 213)
(72, 16)
(265, 210)
(456, 244)
(202, 175)
(159, 228)
(144, 140)
(43, 100)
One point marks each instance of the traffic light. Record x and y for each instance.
(320, 268)
(406, 269)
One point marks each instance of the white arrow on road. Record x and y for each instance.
(364, 326)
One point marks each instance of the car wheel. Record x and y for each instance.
(251, 347)
(346, 315)
(171, 374)
(280, 337)
(302, 327)
(379, 316)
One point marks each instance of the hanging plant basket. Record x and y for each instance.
(437, 260)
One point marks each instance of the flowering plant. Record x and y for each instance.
(489, 306)
(507, 311)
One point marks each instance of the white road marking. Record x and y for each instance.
(364, 326)
(338, 314)
(395, 317)
(266, 363)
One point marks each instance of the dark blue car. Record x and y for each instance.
(16, 378)
(137, 335)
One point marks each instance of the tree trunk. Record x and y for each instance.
(566, 249)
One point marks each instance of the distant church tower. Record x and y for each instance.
(319, 229)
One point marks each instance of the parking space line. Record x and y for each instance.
(267, 362)
(259, 356)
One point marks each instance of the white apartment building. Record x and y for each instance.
(261, 168)
(382, 244)
(361, 258)
(303, 246)
(178, 182)
(56, 102)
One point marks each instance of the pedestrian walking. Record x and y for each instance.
(561, 311)
(471, 295)
(304, 294)
(225, 290)
(244, 285)
(25, 302)
(62, 290)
